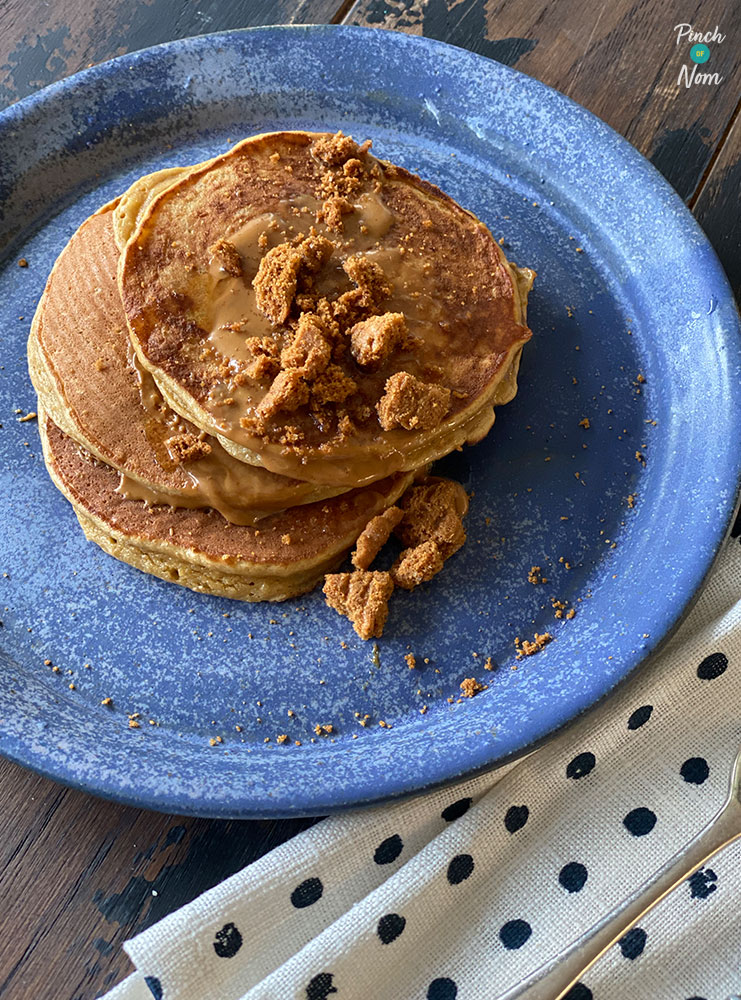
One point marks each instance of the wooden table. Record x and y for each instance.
(80, 875)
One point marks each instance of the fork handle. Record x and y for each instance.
(555, 977)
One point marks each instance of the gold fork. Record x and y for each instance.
(554, 978)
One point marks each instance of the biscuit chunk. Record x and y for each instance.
(276, 280)
(362, 596)
(410, 403)
(226, 255)
(187, 448)
(434, 511)
(288, 392)
(417, 565)
(309, 352)
(374, 536)
(369, 276)
(375, 339)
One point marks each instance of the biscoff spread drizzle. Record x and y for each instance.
(344, 326)
(312, 281)
(241, 494)
(359, 301)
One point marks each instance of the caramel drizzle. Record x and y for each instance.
(218, 480)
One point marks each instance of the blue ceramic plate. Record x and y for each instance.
(628, 289)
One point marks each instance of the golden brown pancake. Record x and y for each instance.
(284, 557)
(133, 203)
(212, 339)
(80, 359)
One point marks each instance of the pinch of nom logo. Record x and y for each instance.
(699, 53)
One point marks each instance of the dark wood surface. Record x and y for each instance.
(80, 875)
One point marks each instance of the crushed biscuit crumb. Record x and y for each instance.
(417, 565)
(309, 352)
(332, 386)
(336, 149)
(471, 687)
(527, 648)
(332, 210)
(187, 448)
(374, 536)
(410, 403)
(288, 392)
(374, 340)
(434, 511)
(227, 257)
(535, 576)
(362, 596)
(373, 285)
(276, 280)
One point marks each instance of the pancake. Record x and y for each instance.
(82, 366)
(134, 203)
(286, 556)
(337, 370)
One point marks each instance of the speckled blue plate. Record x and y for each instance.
(628, 289)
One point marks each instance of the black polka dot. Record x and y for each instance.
(633, 943)
(640, 717)
(228, 941)
(573, 876)
(460, 868)
(390, 927)
(442, 989)
(702, 883)
(388, 850)
(155, 986)
(578, 992)
(516, 817)
(640, 821)
(307, 893)
(320, 986)
(515, 933)
(456, 809)
(695, 770)
(581, 765)
(712, 666)
(688, 998)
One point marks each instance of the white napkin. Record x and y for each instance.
(460, 893)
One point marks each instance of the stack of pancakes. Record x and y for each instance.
(240, 364)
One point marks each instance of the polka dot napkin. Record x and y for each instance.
(461, 893)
